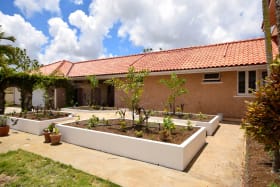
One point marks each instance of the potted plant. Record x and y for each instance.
(4, 128)
(55, 136)
(47, 132)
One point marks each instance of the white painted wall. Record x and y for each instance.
(159, 153)
(33, 126)
(38, 98)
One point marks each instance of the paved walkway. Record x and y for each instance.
(219, 164)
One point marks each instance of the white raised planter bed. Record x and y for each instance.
(73, 110)
(159, 153)
(32, 126)
(210, 126)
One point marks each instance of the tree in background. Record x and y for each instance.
(262, 119)
(23, 63)
(267, 34)
(6, 51)
(132, 86)
(6, 58)
(176, 86)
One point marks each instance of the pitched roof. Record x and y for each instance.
(116, 65)
(58, 68)
(238, 53)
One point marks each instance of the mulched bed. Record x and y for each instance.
(179, 135)
(186, 116)
(258, 166)
(40, 116)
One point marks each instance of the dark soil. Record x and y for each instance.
(179, 135)
(181, 115)
(259, 166)
(39, 115)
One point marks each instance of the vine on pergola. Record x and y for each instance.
(18, 70)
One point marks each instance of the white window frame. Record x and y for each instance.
(247, 93)
(212, 80)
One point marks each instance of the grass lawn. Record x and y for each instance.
(21, 168)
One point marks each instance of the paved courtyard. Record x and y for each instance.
(220, 163)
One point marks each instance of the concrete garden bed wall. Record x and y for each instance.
(159, 153)
(33, 126)
(73, 110)
(210, 126)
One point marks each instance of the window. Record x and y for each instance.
(241, 82)
(252, 81)
(246, 82)
(211, 77)
(264, 75)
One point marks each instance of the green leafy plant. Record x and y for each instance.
(106, 122)
(55, 130)
(50, 128)
(3, 121)
(201, 116)
(121, 113)
(138, 134)
(176, 86)
(93, 121)
(262, 117)
(168, 124)
(189, 125)
(123, 125)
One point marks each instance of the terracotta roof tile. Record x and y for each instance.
(106, 66)
(239, 53)
(61, 68)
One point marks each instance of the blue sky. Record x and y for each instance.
(79, 30)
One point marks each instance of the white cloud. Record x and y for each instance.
(154, 24)
(26, 35)
(171, 24)
(81, 39)
(78, 2)
(29, 7)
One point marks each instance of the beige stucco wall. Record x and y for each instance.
(9, 95)
(209, 98)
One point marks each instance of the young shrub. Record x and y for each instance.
(138, 134)
(121, 113)
(189, 125)
(262, 119)
(168, 124)
(201, 116)
(123, 125)
(176, 86)
(132, 86)
(51, 127)
(93, 121)
(55, 130)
